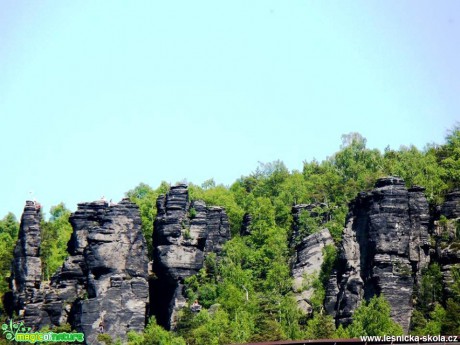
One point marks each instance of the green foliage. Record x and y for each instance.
(430, 317)
(251, 281)
(455, 285)
(246, 294)
(373, 318)
(213, 329)
(319, 284)
(145, 198)
(448, 157)
(10, 226)
(433, 325)
(187, 234)
(105, 338)
(430, 289)
(55, 234)
(309, 224)
(321, 326)
(220, 196)
(9, 229)
(192, 213)
(154, 335)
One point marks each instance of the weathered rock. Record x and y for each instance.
(104, 279)
(27, 267)
(115, 266)
(246, 225)
(385, 245)
(451, 207)
(306, 265)
(447, 235)
(184, 234)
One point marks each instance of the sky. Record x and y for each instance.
(97, 97)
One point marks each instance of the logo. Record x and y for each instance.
(17, 331)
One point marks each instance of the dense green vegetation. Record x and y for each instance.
(9, 229)
(55, 234)
(246, 295)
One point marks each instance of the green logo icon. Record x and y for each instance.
(12, 328)
(18, 332)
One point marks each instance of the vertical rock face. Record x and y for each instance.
(307, 257)
(245, 229)
(27, 266)
(306, 265)
(447, 236)
(451, 207)
(115, 267)
(104, 279)
(384, 246)
(185, 233)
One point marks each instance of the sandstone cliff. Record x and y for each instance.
(447, 238)
(385, 246)
(184, 234)
(27, 266)
(104, 279)
(307, 255)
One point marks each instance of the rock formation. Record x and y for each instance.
(307, 257)
(385, 245)
(451, 207)
(245, 229)
(389, 237)
(27, 266)
(104, 279)
(447, 237)
(306, 265)
(184, 234)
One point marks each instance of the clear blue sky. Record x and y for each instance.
(98, 96)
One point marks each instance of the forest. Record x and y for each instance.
(265, 309)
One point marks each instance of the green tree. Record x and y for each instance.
(451, 322)
(435, 323)
(145, 198)
(9, 229)
(430, 290)
(55, 234)
(449, 157)
(373, 318)
(10, 225)
(154, 335)
(321, 326)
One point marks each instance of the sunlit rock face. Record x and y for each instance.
(185, 232)
(307, 252)
(384, 247)
(103, 280)
(306, 265)
(27, 267)
(115, 265)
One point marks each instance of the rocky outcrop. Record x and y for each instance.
(451, 207)
(115, 267)
(447, 237)
(245, 229)
(306, 265)
(184, 234)
(308, 251)
(385, 245)
(104, 279)
(27, 266)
